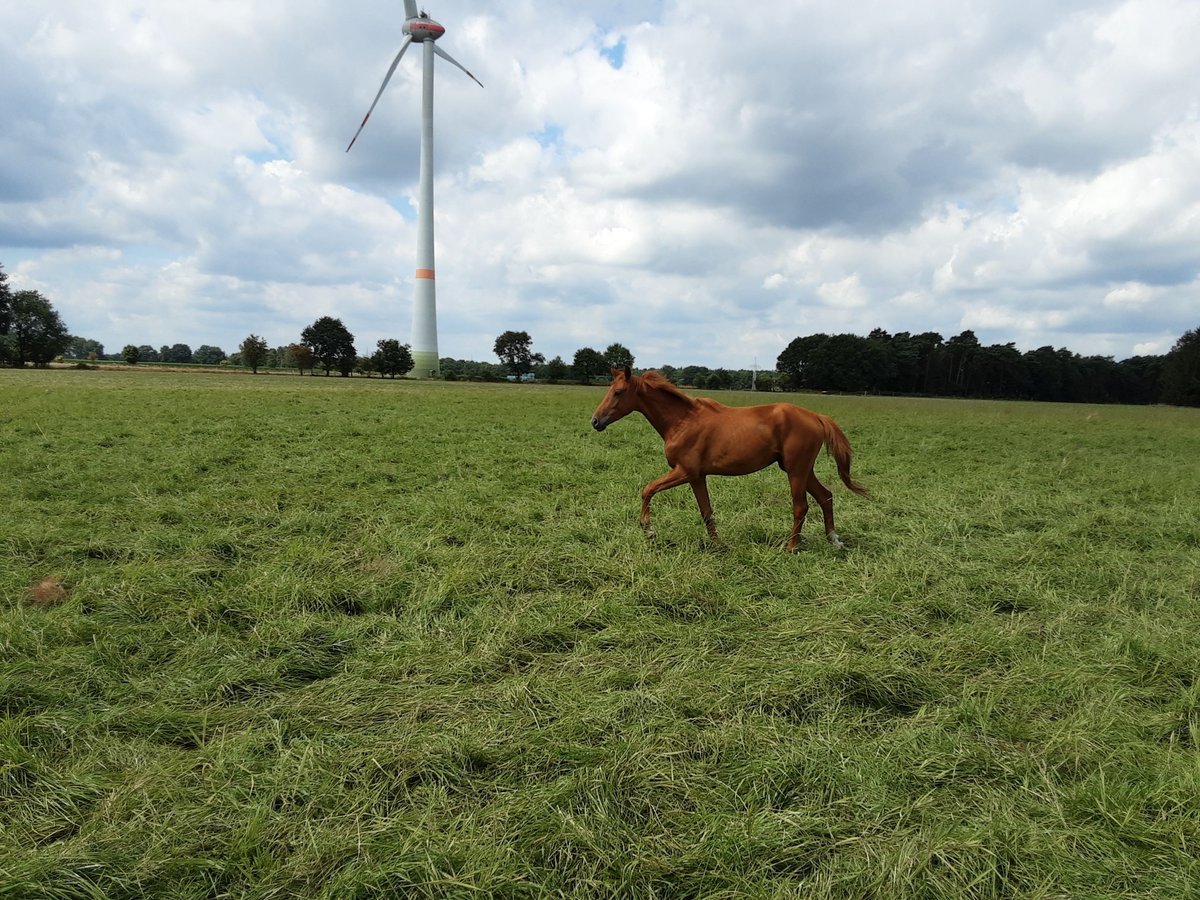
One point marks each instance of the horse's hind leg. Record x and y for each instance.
(824, 498)
(798, 484)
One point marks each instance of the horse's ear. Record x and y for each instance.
(628, 372)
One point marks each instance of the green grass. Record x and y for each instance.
(354, 638)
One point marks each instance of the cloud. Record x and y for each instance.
(698, 185)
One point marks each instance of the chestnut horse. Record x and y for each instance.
(702, 437)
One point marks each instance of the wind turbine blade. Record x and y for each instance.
(450, 59)
(386, 78)
(410, 9)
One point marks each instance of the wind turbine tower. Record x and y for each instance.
(420, 29)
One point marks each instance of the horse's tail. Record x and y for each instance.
(838, 447)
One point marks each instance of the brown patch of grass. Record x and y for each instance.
(47, 592)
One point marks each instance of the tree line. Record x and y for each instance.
(517, 359)
(927, 364)
(326, 344)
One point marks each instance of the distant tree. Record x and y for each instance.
(515, 351)
(838, 362)
(557, 369)
(618, 356)
(1181, 371)
(330, 341)
(254, 352)
(961, 349)
(208, 355)
(392, 358)
(83, 348)
(999, 371)
(131, 354)
(176, 353)
(300, 356)
(1139, 379)
(797, 357)
(364, 365)
(146, 353)
(34, 332)
(5, 303)
(588, 364)
(471, 370)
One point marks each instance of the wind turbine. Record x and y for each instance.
(419, 28)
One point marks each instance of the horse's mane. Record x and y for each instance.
(656, 381)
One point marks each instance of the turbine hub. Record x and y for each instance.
(423, 28)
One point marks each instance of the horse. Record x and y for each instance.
(702, 437)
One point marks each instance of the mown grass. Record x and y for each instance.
(277, 637)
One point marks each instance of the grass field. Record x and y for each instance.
(283, 637)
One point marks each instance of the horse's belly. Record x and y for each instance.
(740, 461)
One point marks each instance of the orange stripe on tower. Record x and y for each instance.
(425, 273)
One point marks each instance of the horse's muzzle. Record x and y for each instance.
(598, 424)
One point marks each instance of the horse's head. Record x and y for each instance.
(620, 400)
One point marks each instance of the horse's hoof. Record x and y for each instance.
(836, 541)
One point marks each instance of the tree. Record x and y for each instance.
(176, 353)
(392, 358)
(5, 304)
(330, 341)
(588, 364)
(300, 356)
(146, 353)
(1181, 371)
(838, 362)
(254, 352)
(515, 350)
(961, 349)
(131, 354)
(797, 358)
(34, 331)
(83, 348)
(618, 356)
(556, 369)
(720, 380)
(208, 355)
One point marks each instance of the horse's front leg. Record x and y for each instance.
(674, 478)
(700, 489)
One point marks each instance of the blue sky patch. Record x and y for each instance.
(615, 54)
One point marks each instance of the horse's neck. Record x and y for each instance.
(664, 409)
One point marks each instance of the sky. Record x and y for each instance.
(697, 181)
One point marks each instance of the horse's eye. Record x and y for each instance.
(618, 393)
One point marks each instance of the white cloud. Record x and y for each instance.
(1026, 170)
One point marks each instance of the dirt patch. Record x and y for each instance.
(47, 592)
